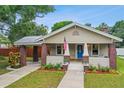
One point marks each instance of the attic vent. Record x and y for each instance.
(75, 33)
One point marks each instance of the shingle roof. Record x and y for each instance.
(28, 40)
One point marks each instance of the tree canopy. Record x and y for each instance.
(18, 21)
(60, 25)
(103, 26)
(4, 40)
(118, 30)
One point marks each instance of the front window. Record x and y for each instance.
(95, 50)
(59, 50)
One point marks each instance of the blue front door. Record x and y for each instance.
(79, 51)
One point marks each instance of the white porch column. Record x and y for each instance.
(86, 57)
(85, 50)
(67, 54)
(85, 54)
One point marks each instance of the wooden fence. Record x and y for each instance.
(29, 51)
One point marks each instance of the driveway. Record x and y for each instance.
(74, 77)
(11, 77)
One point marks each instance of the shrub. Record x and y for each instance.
(57, 66)
(94, 71)
(104, 69)
(66, 60)
(107, 69)
(92, 68)
(49, 66)
(14, 59)
(43, 66)
(113, 71)
(98, 67)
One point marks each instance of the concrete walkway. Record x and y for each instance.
(9, 78)
(74, 77)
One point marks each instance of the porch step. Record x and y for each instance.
(76, 60)
(76, 66)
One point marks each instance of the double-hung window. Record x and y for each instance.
(59, 49)
(95, 50)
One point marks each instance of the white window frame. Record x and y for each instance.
(61, 49)
(92, 50)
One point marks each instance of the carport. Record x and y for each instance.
(31, 41)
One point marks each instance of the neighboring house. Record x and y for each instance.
(120, 51)
(100, 46)
(4, 41)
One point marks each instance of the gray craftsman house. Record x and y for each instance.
(99, 46)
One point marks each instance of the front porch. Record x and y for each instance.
(98, 54)
(86, 53)
(77, 50)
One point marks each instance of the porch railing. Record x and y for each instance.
(55, 60)
(95, 61)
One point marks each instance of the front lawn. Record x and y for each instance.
(3, 64)
(39, 79)
(30, 59)
(106, 80)
(120, 64)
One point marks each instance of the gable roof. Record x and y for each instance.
(38, 40)
(117, 39)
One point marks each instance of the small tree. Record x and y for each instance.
(14, 59)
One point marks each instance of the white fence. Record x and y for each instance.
(55, 59)
(120, 51)
(95, 61)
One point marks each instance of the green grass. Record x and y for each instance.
(30, 59)
(3, 64)
(106, 80)
(39, 79)
(120, 65)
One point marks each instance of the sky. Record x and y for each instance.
(83, 14)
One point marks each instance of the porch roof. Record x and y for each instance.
(28, 40)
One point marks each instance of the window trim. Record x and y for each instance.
(92, 50)
(61, 49)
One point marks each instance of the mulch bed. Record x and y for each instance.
(51, 69)
(99, 72)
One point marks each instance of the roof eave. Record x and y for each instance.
(19, 44)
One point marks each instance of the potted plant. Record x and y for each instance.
(66, 63)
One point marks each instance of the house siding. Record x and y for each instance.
(72, 50)
(52, 50)
(81, 36)
(104, 50)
